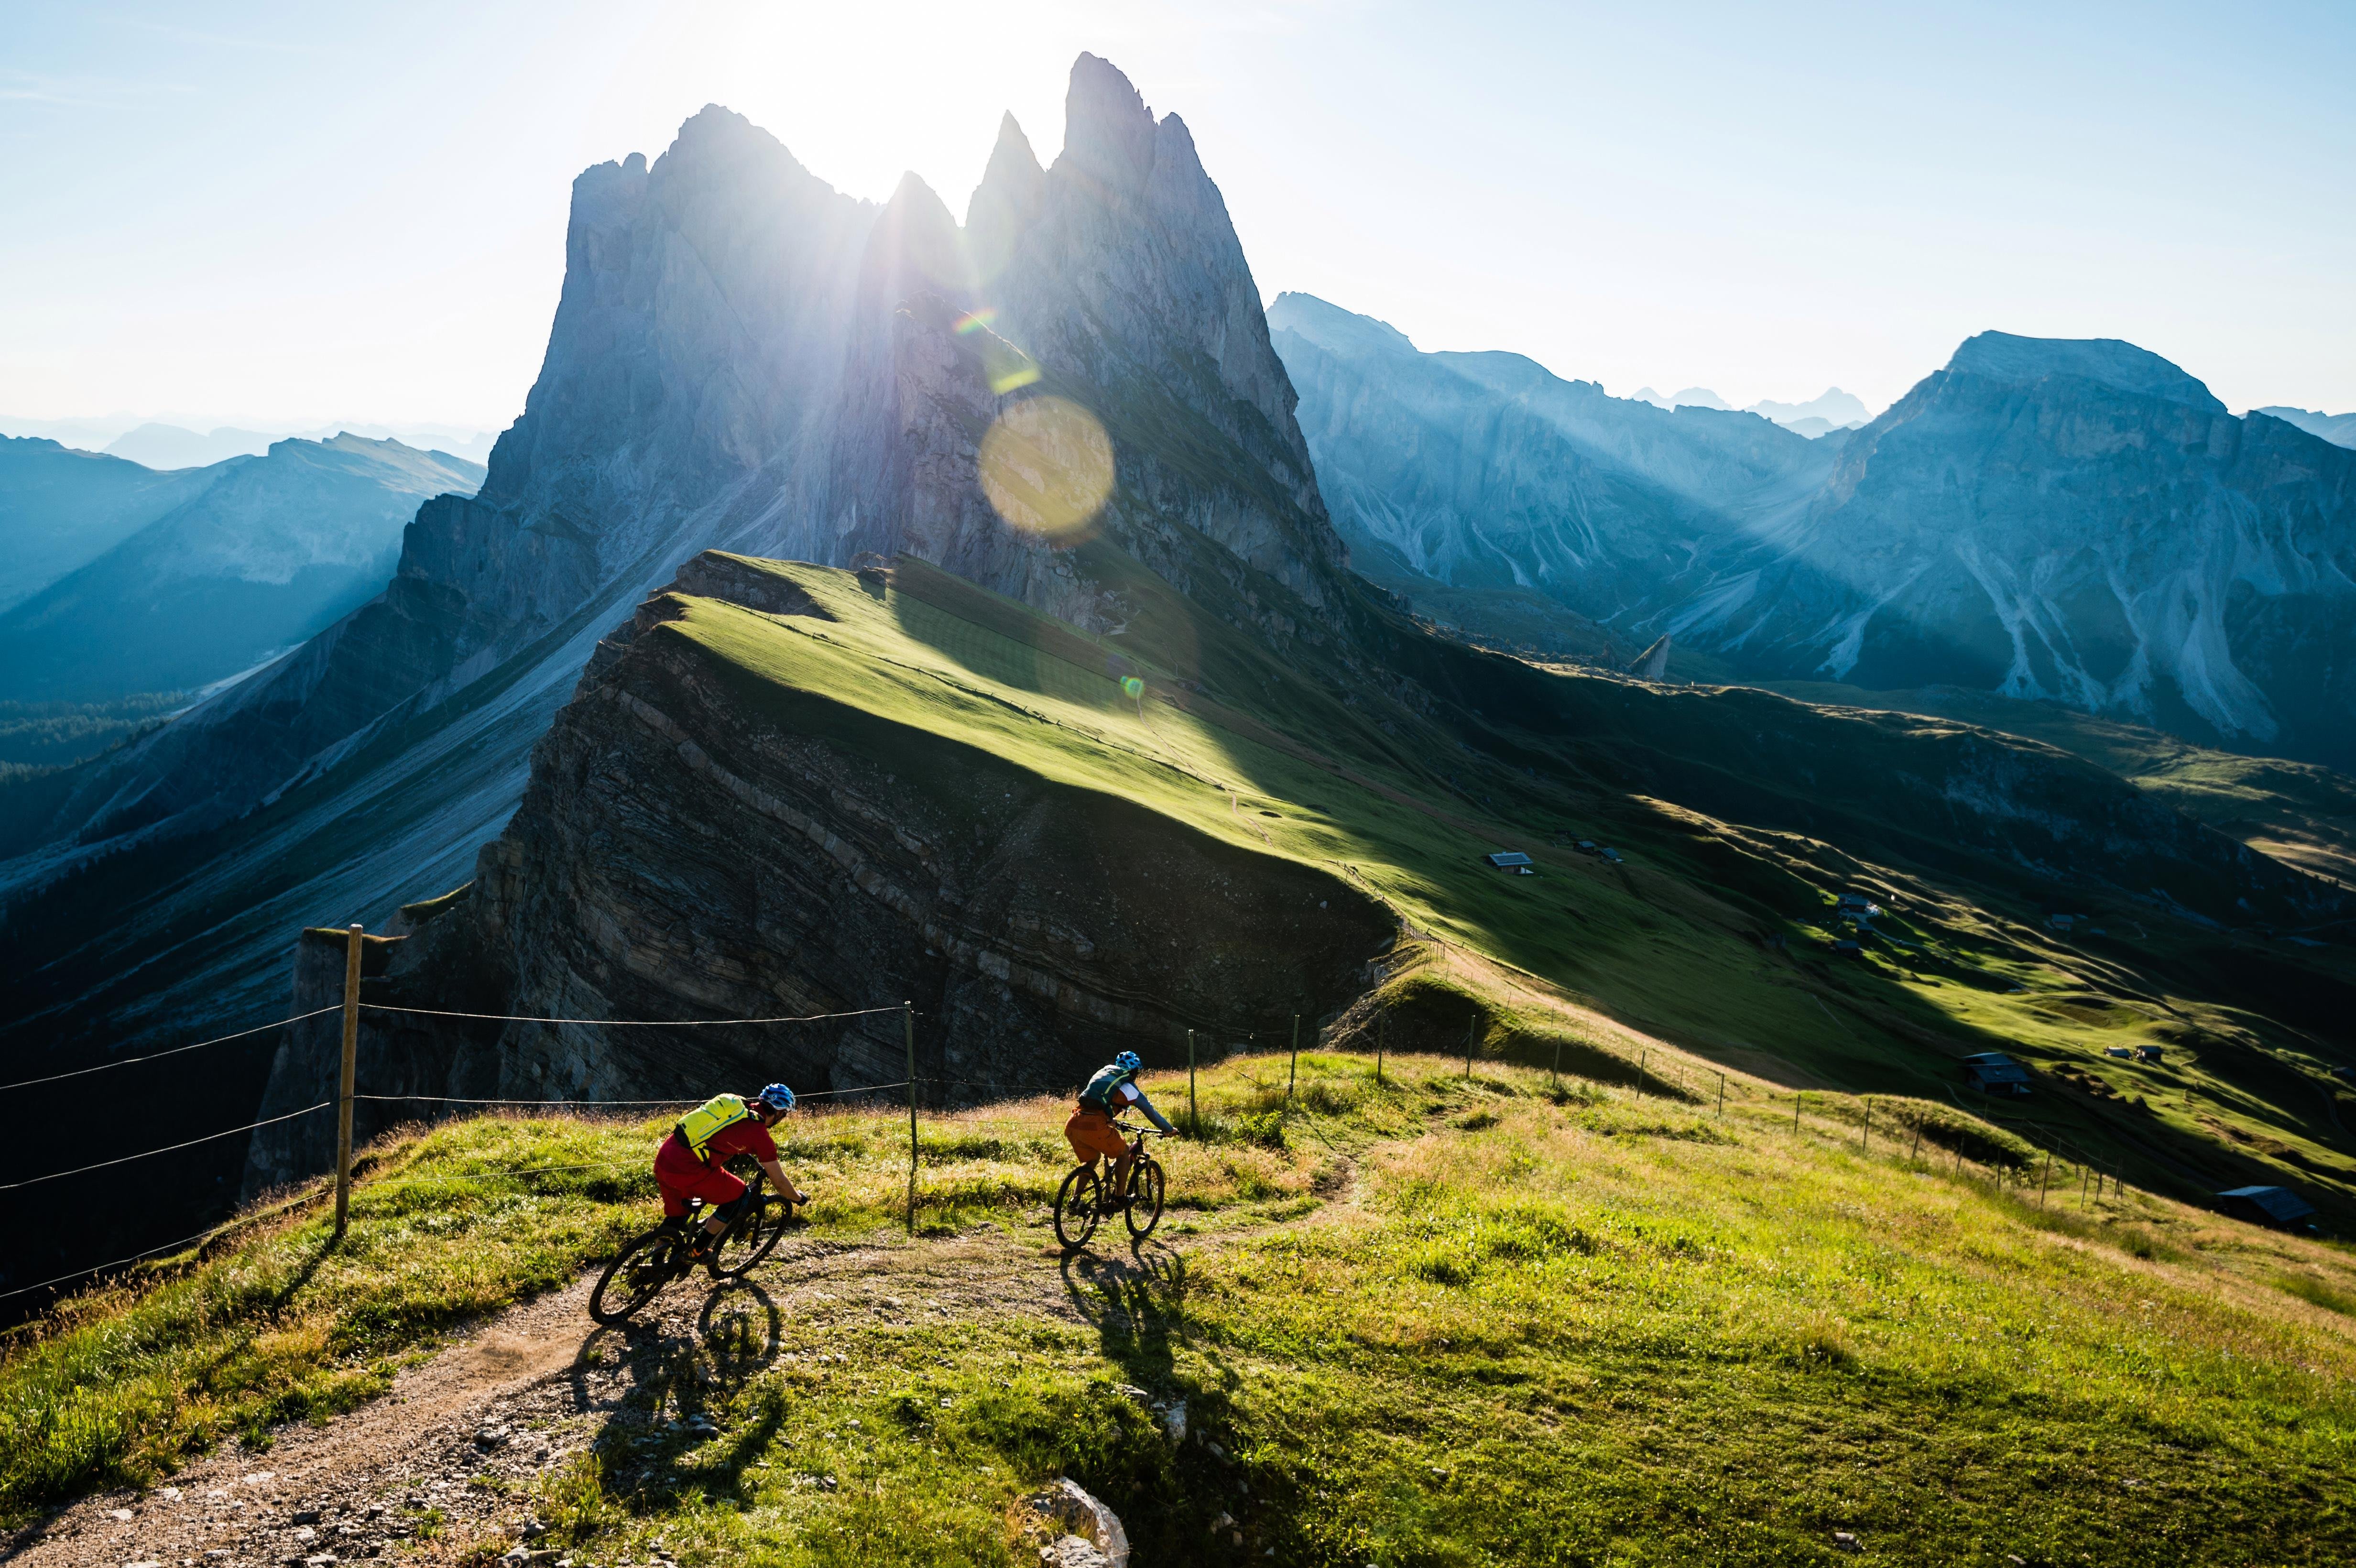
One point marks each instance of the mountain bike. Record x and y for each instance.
(1085, 1198)
(650, 1261)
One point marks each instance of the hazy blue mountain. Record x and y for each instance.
(2340, 430)
(1831, 409)
(270, 550)
(60, 508)
(2075, 520)
(1478, 471)
(170, 446)
(86, 434)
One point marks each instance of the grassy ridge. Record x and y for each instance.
(2300, 812)
(1442, 1320)
(1675, 942)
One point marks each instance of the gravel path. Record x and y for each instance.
(443, 1465)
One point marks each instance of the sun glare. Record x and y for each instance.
(1046, 466)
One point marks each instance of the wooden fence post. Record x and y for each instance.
(1797, 1095)
(1721, 1097)
(344, 1093)
(1470, 1024)
(1381, 1029)
(1642, 1057)
(1916, 1150)
(908, 1029)
(2045, 1179)
(1193, 1117)
(1295, 1076)
(1864, 1133)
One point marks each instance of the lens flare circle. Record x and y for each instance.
(1047, 465)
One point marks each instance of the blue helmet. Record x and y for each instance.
(777, 1097)
(1129, 1061)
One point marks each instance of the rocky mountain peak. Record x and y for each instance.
(2109, 361)
(915, 247)
(1012, 190)
(1109, 133)
(1335, 330)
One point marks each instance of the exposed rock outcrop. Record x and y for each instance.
(742, 358)
(2077, 521)
(2081, 521)
(694, 845)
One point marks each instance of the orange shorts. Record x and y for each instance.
(1092, 1133)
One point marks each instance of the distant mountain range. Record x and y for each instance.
(60, 507)
(251, 556)
(1833, 409)
(2340, 430)
(193, 441)
(2077, 521)
(1072, 401)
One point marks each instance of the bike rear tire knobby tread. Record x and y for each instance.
(611, 1313)
(1077, 1208)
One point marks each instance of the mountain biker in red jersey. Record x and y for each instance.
(1091, 1131)
(689, 1162)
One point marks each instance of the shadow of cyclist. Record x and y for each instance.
(1135, 1300)
(665, 1434)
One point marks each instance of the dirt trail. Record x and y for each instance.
(469, 1431)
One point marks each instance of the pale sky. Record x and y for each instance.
(295, 213)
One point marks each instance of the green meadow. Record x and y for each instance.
(1448, 1318)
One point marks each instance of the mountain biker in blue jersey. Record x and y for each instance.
(1091, 1131)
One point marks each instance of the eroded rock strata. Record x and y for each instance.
(697, 842)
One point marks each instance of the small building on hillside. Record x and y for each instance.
(2279, 1207)
(1512, 860)
(2123, 1052)
(1993, 1072)
(2150, 1053)
(1855, 906)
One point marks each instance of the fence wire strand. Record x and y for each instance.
(622, 1023)
(156, 1055)
(167, 1149)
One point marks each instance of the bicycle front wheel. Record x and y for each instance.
(748, 1241)
(1144, 1209)
(636, 1276)
(1077, 1210)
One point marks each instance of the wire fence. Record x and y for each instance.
(159, 1055)
(167, 1149)
(617, 1023)
(1674, 1075)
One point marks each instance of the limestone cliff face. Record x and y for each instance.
(2081, 521)
(743, 357)
(684, 851)
(1484, 471)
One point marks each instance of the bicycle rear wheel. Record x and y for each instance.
(748, 1241)
(637, 1276)
(1077, 1210)
(1144, 1209)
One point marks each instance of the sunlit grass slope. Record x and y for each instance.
(1713, 935)
(1446, 1320)
(2300, 813)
